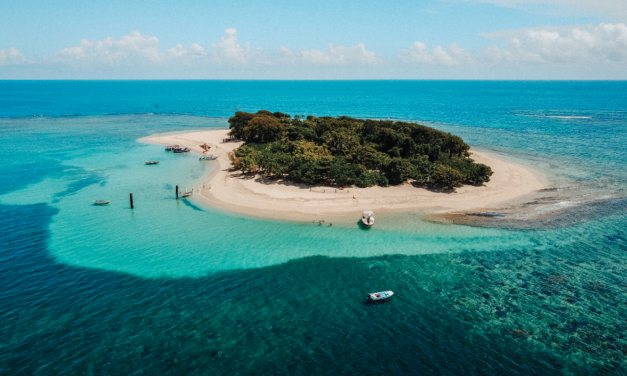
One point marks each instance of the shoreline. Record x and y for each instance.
(283, 199)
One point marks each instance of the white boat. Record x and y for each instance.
(367, 218)
(380, 295)
(208, 157)
(101, 202)
(187, 193)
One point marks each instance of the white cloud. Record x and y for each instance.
(176, 51)
(577, 45)
(137, 48)
(11, 56)
(109, 50)
(334, 55)
(418, 53)
(576, 48)
(572, 45)
(229, 51)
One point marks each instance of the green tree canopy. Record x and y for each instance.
(344, 151)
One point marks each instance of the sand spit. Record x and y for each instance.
(261, 196)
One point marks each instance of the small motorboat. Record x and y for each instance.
(151, 162)
(208, 157)
(171, 147)
(187, 193)
(367, 218)
(182, 150)
(380, 295)
(101, 202)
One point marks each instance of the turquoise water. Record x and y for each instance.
(177, 287)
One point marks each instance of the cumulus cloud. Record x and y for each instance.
(605, 43)
(229, 51)
(418, 53)
(12, 56)
(134, 45)
(561, 46)
(137, 48)
(334, 55)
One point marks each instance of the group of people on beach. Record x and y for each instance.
(320, 222)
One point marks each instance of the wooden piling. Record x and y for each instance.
(177, 192)
(132, 201)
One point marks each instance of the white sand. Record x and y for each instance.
(280, 199)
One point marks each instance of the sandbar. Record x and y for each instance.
(265, 197)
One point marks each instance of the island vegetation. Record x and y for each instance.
(346, 151)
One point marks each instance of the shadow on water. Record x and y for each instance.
(519, 311)
(369, 302)
(189, 204)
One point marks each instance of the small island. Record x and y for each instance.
(272, 165)
(344, 151)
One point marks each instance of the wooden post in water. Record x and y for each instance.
(132, 201)
(177, 192)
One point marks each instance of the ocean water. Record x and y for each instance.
(177, 287)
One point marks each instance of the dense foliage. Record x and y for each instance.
(346, 151)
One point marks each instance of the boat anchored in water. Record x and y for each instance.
(151, 162)
(101, 202)
(367, 218)
(187, 193)
(171, 147)
(383, 295)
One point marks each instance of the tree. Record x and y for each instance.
(370, 178)
(238, 122)
(235, 161)
(398, 170)
(422, 168)
(263, 129)
(280, 115)
(275, 163)
(342, 143)
(250, 162)
(481, 174)
(340, 171)
(446, 177)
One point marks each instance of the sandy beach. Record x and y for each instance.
(283, 199)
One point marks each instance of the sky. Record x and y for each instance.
(323, 39)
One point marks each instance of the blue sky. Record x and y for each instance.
(561, 39)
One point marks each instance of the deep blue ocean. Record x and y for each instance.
(175, 287)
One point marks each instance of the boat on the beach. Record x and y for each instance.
(171, 147)
(383, 295)
(182, 150)
(151, 162)
(208, 157)
(101, 202)
(367, 218)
